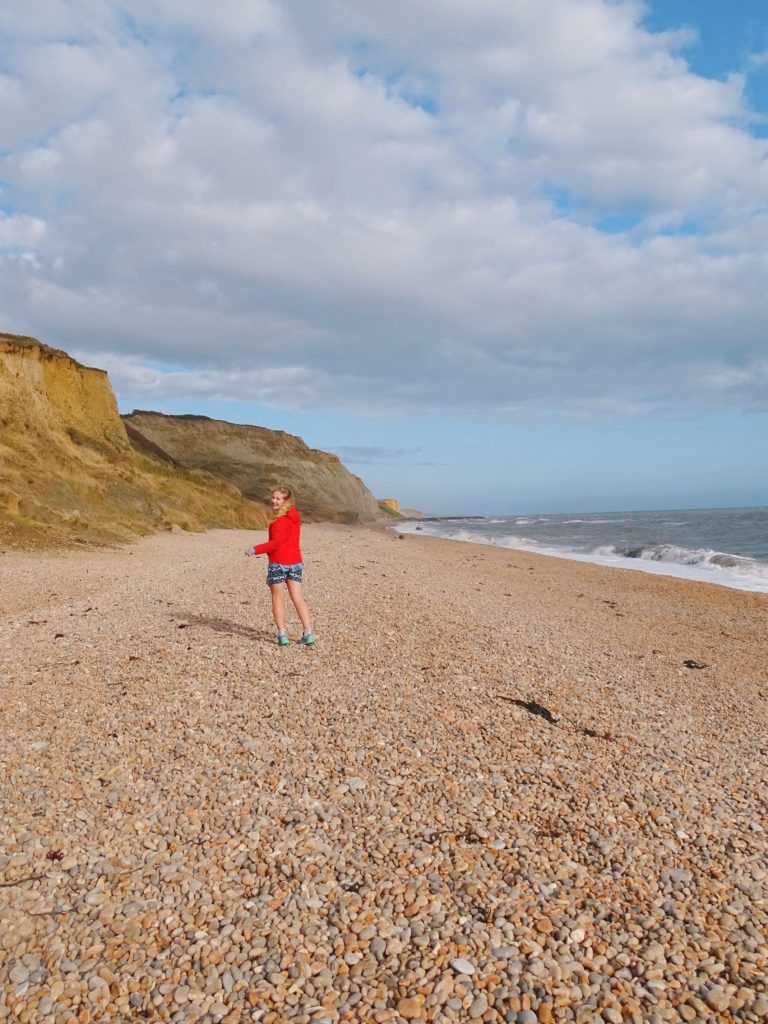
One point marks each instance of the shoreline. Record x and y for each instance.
(494, 787)
(691, 573)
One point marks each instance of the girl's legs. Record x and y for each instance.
(294, 589)
(278, 605)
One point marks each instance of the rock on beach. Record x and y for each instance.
(200, 826)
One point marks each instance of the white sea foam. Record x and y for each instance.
(688, 556)
(590, 521)
(701, 564)
(444, 529)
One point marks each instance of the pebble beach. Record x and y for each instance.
(501, 787)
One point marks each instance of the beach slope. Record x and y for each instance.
(501, 787)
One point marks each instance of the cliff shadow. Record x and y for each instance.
(233, 628)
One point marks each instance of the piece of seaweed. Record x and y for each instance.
(533, 708)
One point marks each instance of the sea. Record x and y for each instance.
(726, 546)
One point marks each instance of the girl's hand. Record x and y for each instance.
(250, 551)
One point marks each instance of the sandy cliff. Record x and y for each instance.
(68, 470)
(254, 458)
(44, 391)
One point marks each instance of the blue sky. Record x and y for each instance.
(506, 256)
(728, 35)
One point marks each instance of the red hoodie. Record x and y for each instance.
(283, 544)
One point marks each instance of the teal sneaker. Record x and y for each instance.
(308, 639)
(283, 641)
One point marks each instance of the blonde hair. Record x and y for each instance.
(289, 500)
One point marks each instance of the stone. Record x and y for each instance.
(411, 1008)
(612, 1015)
(478, 1007)
(504, 952)
(185, 773)
(654, 952)
(462, 966)
(717, 999)
(537, 968)
(95, 898)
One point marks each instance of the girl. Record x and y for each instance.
(285, 564)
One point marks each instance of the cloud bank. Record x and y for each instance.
(506, 207)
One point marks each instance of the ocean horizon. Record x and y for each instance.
(725, 546)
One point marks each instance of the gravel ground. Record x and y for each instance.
(493, 791)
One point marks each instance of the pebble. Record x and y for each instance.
(367, 831)
(504, 952)
(462, 966)
(717, 999)
(411, 1008)
(478, 1007)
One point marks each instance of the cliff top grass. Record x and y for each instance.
(25, 341)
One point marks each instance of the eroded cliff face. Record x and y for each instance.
(255, 458)
(68, 471)
(44, 391)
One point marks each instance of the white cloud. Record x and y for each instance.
(133, 380)
(337, 205)
(20, 232)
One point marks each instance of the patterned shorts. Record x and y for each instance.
(277, 573)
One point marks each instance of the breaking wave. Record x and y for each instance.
(591, 521)
(565, 538)
(686, 556)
